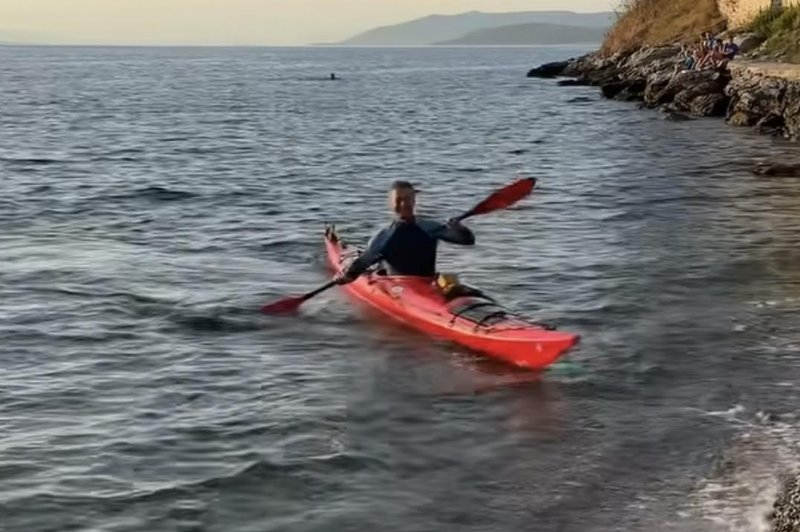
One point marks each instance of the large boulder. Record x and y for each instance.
(747, 42)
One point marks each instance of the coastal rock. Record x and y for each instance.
(763, 95)
(770, 125)
(756, 95)
(574, 82)
(713, 104)
(648, 55)
(791, 109)
(633, 91)
(740, 119)
(549, 70)
(654, 89)
(686, 86)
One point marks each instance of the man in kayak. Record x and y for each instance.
(408, 245)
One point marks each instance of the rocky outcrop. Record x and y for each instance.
(652, 75)
(763, 96)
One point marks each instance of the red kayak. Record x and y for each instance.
(468, 317)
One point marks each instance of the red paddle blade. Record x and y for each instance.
(505, 197)
(283, 306)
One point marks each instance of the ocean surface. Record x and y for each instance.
(153, 199)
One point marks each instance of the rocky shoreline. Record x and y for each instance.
(765, 96)
(746, 93)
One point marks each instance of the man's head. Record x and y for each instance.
(402, 199)
(730, 39)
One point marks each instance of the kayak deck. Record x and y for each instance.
(472, 319)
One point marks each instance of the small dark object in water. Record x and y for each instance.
(777, 169)
(677, 117)
(333, 76)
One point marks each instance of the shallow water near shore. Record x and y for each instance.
(154, 198)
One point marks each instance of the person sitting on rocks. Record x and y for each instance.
(714, 58)
(708, 41)
(685, 59)
(730, 49)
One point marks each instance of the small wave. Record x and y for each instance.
(214, 323)
(307, 473)
(742, 487)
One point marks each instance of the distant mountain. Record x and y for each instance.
(438, 28)
(534, 33)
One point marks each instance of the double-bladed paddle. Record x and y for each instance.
(500, 199)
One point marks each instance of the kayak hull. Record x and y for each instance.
(472, 320)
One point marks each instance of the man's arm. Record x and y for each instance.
(452, 232)
(372, 254)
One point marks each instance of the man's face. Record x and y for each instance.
(402, 202)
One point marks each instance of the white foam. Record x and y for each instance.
(740, 495)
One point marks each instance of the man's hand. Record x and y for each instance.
(455, 223)
(457, 233)
(345, 277)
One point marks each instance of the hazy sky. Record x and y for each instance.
(233, 21)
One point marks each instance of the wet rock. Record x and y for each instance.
(581, 82)
(548, 70)
(633, 91)
(713, 104)
(675, 116)
(741, 119)
(610, 90)
(771, 124)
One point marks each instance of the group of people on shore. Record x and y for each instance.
(710, 53)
